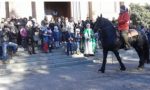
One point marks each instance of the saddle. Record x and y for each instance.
(132, 32)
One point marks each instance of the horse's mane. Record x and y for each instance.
(107, 30)
(106, 23)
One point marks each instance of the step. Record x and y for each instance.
(17, 67)
(51, 58)
(25, 62)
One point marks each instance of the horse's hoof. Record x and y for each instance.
(148, 62)
(122, 68)
(140, 68)
(101, 70)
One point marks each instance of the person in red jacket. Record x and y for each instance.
(123, 25)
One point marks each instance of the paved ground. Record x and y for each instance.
(56, 71)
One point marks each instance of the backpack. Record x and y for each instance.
(23, 32)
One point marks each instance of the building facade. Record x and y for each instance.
(77, 9)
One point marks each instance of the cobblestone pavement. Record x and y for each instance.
(57, 71)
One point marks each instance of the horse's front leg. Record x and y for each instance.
(123, 68)
(105, 52)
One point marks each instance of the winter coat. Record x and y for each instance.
(123, 21)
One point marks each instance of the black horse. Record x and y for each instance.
(111, 41)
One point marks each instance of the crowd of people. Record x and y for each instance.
(53, 33)
(49, 34)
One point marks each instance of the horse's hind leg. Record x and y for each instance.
(141, 56)
(105, 52)
(146, 52)
(123, 68)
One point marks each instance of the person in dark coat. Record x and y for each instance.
(30, 28)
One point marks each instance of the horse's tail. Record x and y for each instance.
(146, 51)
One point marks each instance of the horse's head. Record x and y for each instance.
(103, 24)
(98, 23)
(106, 28)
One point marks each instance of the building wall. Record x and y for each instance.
(79, 9)
(2, 9)
(20, 8)
(109, 9)
(40, 10)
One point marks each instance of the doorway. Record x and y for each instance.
(58, 9)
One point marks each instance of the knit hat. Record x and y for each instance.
(55, 27)
(88, 24)
(123, 7)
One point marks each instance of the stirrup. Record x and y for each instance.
(127, 47)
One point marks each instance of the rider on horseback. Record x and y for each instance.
(123, 25)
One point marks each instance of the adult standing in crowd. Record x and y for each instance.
(13, 32)
(24, 37)
(59, 24)
(66, 29)
(1, 39)
(88, 42)
(30, 28)
(45, 21)
(52, 23)
(63, 28)
(71, 27)
(5, 37)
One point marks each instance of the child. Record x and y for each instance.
(69, 44)
(78, 39)
(56, 36)
(45, 40)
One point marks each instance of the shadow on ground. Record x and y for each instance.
(63, 72)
